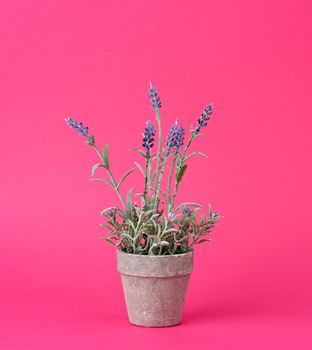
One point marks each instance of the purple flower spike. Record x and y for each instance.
(80, 129)
(202, 121)
(171, 140)
(179, 138)
(175, 139)
(154, 98)
(148, 138)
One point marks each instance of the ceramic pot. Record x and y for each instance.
(155, 287)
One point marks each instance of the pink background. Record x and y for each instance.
(251, 288)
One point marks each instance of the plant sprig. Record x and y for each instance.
(157, 227)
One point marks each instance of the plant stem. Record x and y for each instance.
(149, 168)
(110, 176)
(169, 184)
(162, 170)
(158, 152)
(180, 166)
(187, 147)
(116, 188)
(175, 193)
(146, 179)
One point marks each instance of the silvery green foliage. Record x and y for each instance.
(141, 231)
(157, 226)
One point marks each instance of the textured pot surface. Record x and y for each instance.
(155, 287)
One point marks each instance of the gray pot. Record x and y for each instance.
(155, 287)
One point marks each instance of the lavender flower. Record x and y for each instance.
(179, 138)
(148, 138)
(155, 100)
(214, 216)
(175, 138)
(80, 129)
(187, 211)
(171, 216)
(171, 139)
(110, 213)
(202, 121)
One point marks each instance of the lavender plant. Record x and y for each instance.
(157, 226)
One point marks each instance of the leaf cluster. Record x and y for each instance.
(146, 232)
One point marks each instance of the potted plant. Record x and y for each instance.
(155, 239)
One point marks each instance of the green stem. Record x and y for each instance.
(146, 179)
(116, 188)
(149, 178)
(110, 176)
(169, 184)
(187, 147)
(158, 152)
(175, 193)
(157, 190)
(180, 166)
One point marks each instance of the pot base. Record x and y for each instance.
(155, 302)
(155, 287)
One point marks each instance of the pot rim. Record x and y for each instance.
(155, 265)
(191, 251)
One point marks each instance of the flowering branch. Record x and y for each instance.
(156, 105)
(106, 166)
(148, 143)
(149, 229)
(181, 167)
(83, 131)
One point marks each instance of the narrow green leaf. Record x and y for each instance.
(186, 204)
(123, 178)
(124, 234)
(105, 156)
(194, 154)
(139, 194)
(104, 181)
(192, 204)
(129, 202)
(164, 194)
(154, 223)
(179, 161)
(203, 240)
(95, 166)
(129, 196)
(108, 240)
(107, 209)
(171, 230)
(181, 173)
(106, 226)
(153, 216)
(141, 169)
(137, 150)
(130, 223)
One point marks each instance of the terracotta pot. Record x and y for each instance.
(155, 287)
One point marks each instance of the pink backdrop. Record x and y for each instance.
(251, 288)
